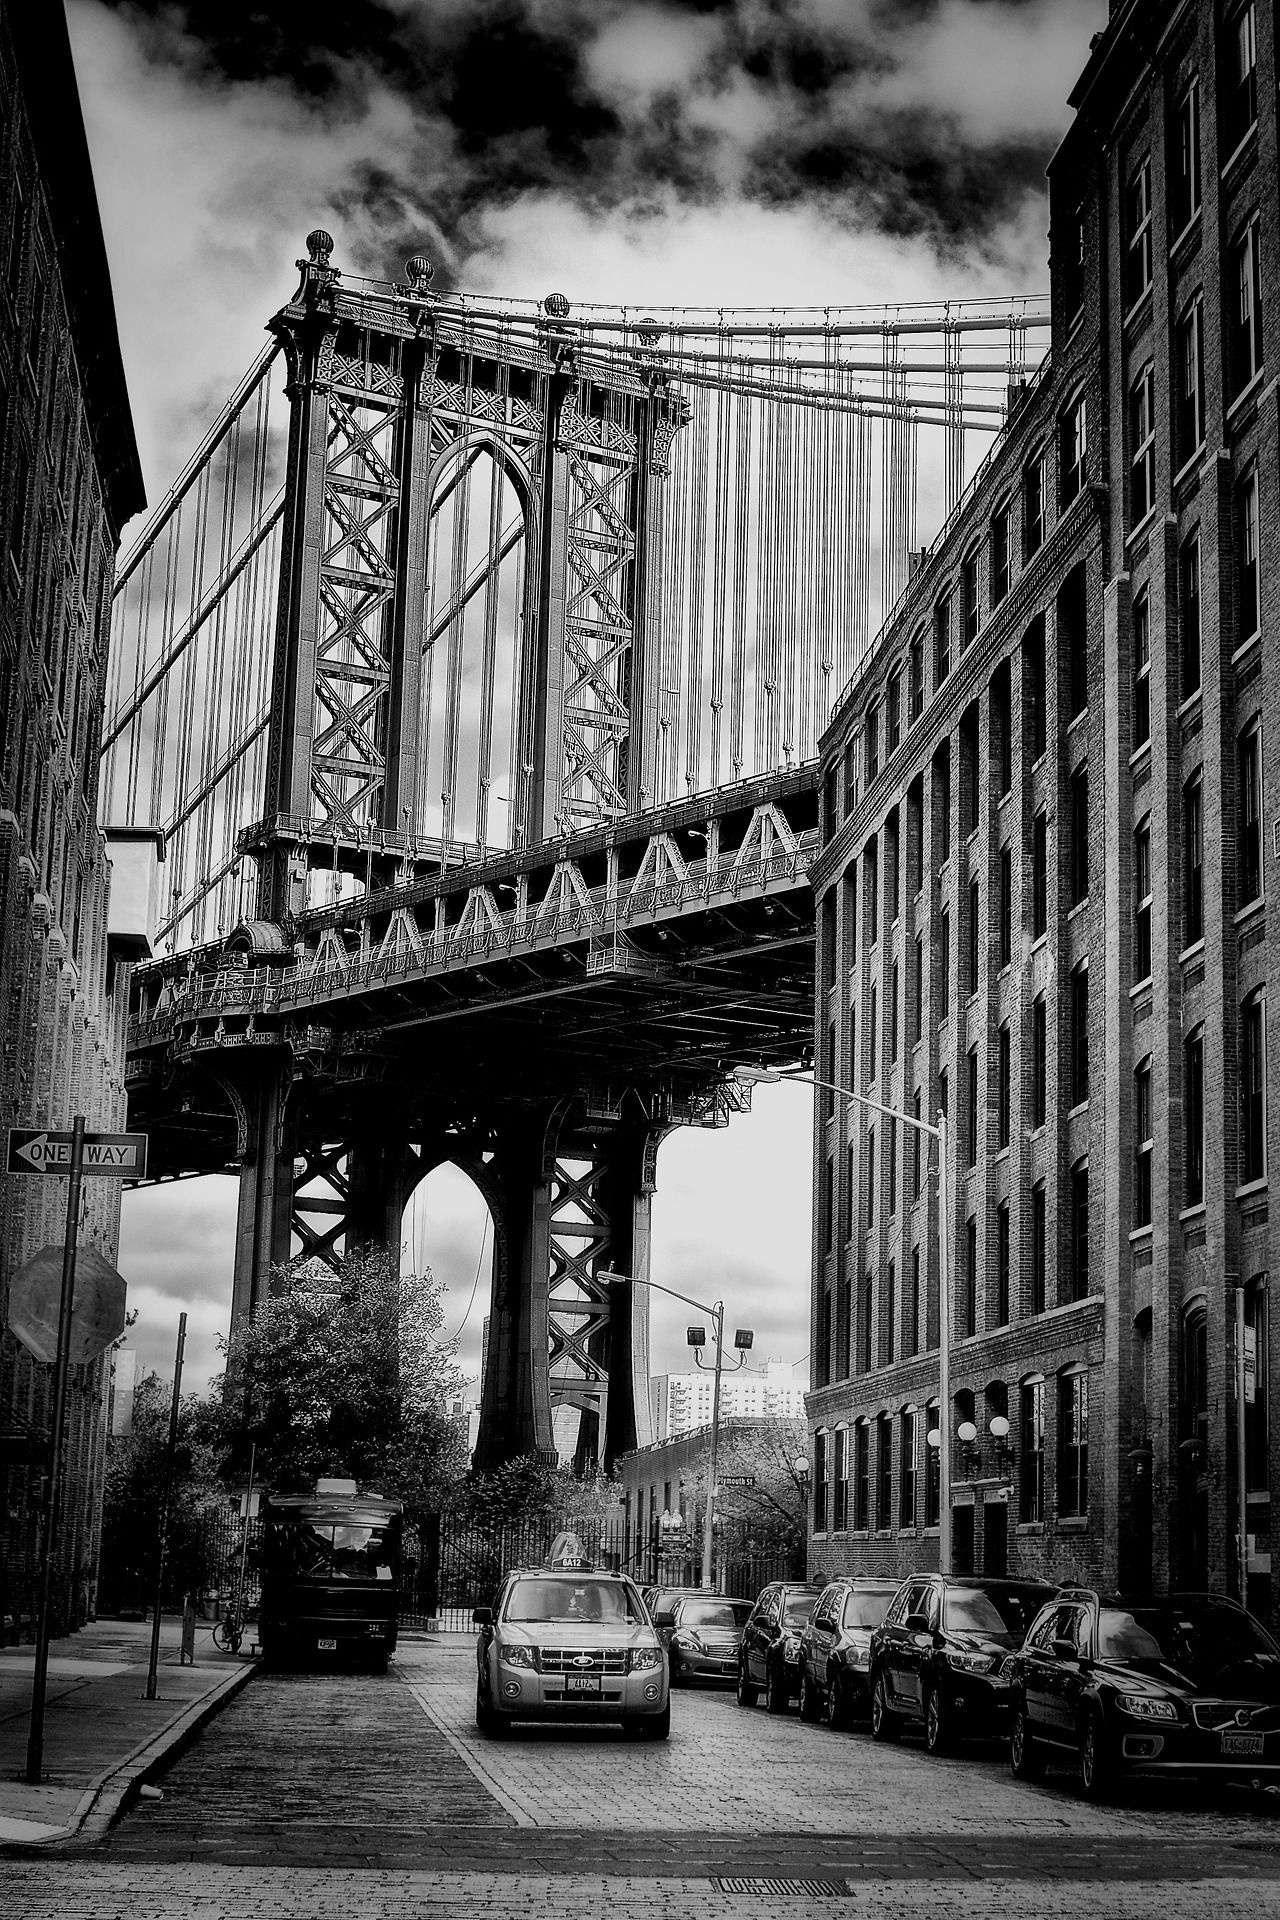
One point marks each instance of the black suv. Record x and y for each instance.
(941, 1655)
(769, 1656)
(835, 1649)
(1188, 1686)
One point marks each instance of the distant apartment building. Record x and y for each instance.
(682, 1401)
(69, 479)
(1052, 834)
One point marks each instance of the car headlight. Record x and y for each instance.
(859, 1656)
(642, 1658)
(1145, 1706)
(512, 1654)
(972, 1662)
(689, 1640)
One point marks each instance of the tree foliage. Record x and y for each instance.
(529, 1487)
(771, 1513)
(346, 1373)
(133, 1491)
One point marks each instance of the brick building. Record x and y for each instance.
(1052, 821)
(69, 478)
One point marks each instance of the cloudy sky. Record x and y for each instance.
(748, 152)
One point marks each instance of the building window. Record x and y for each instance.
(871, 892)
(928, 1418)
(942, 799)
(969, 599)
(1031, 1453)
(884, 1471)
(1253, 1088)
(917, 990)
(1239, 98)
(1244, 319)
(889, 1336)
(915, 1146)
(1257, 1473)
(1072, 452)
(1193, 1118)
(1006, 906)
(1072, 265)
(915, 679)
(840, 1482)
(891, 1163)
(871, 741)
(1184, 181)
(893, 1012)
(871, 1176)
(1189, 614)
(1004, 1058)
(861, 1476)
(1039, 1060)
(873, 1035)
(1141, 618)
(1002, 728)
(971, 1132)
(907, 1467)
(893, 711)
(973, 929)
(1142, 901)
(1142, 445)
(1080, 1035)
(944, 964)
(1073, 1445)
(893, 864)
(911, 1332)
(1079, 802)
(1000, 553)
(915, 837)
(820, 1441)
(1035, 685)
(1073, 641)
(1143, 1144)
(1247, 558)
(1249, 828)
(1002, 1264)
(1039, 876)
(942, 640)
(828, 1206)
(1189, 368)
(1033, 505)
(1137, 236)
(1039, 1247)
(1078, 1271)
(1193, 861)
(970, 1277)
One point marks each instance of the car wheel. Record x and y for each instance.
(885, 1724)
(937, 1730)
(776, 1694)
(746, 1691)
(810, 1705)
(657, 1726)
(490, 1723)
(1097, 1780)
(1026, 1761)
(837, 1704)
(673, 1662)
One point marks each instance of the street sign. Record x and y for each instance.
(737, 1479)
(120, 1156)
(97, 1312)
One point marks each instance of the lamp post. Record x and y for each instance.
(747, 1075)
(697, 1338)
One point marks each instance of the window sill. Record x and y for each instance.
(1197, 1211)
(1250, 908)
(1141, 530)
(1073, 1522)
(1141, 752)
(1138, 310)
(1237, 152)
(1076, 718)
(1140, 986)
(1001, 1153)
(1191, 465)
(1247, 393)
(1040, 942)
(1193, 700)
(1252, 1188)
(1194, 952)
(1140, 1234)
(1078, 907)
(1081, 1106)
(1029, 1527)
(1182, 240)
(1034, 1133)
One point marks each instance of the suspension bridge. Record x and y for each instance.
(473, 670)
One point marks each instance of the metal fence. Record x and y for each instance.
(203, 1561)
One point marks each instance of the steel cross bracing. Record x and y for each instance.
(479, 711)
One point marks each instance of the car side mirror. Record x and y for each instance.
(916, 1623)
(482, 1616)
(1063, 1649)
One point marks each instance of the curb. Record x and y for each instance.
(115, 1789)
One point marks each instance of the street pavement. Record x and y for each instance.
(363, 1795)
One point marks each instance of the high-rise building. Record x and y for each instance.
(682, 1401)
(69, 478)
(1063, 867)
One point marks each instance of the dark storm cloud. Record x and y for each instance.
(783, 101)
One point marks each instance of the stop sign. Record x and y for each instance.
(97, 1309)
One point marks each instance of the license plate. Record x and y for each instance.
(583, 1683)
(327, 1646)
(1241, 1746)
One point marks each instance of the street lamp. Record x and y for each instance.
(696, 1337)
(747, 1075)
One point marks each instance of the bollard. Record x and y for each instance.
(187, 1657)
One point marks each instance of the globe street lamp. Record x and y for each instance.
(697, 1339)
(747, 1075)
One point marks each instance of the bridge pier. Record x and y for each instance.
(265, 1152)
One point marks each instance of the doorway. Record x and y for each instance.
(995, 1539)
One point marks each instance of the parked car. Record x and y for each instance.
(835, 1649)
(769, 1657)
(1188, 1685)
(662, 1603)
(941, 1653)
(706, 1631)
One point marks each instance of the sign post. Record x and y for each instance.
(53, 1479)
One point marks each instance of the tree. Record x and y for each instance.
(133, 1488)
(766, 1519)
(345, 1373)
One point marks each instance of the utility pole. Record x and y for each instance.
(162, 1530)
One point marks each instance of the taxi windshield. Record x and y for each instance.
(715, 1613)
(574, 1599)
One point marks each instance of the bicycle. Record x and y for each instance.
(228, 1630)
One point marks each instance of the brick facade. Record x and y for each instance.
(1113, 829)
(69, 478)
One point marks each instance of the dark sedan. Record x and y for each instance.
(1188, 1686)
(706, 1632)
(835, 1649)
(941, 1655)
(769, 1658)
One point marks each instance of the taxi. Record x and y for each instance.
(567, 1642)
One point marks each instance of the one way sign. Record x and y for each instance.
(120, 1156)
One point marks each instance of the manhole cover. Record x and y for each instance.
(827, 1889)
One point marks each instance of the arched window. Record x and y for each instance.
(840, 1481)
(1031, 1449)
(1073, 1442)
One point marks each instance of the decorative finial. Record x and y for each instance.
(319, 246)
(556, 307)
(419, 272)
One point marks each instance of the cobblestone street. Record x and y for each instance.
(352, 1795)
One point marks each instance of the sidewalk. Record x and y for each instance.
(102, 1736)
